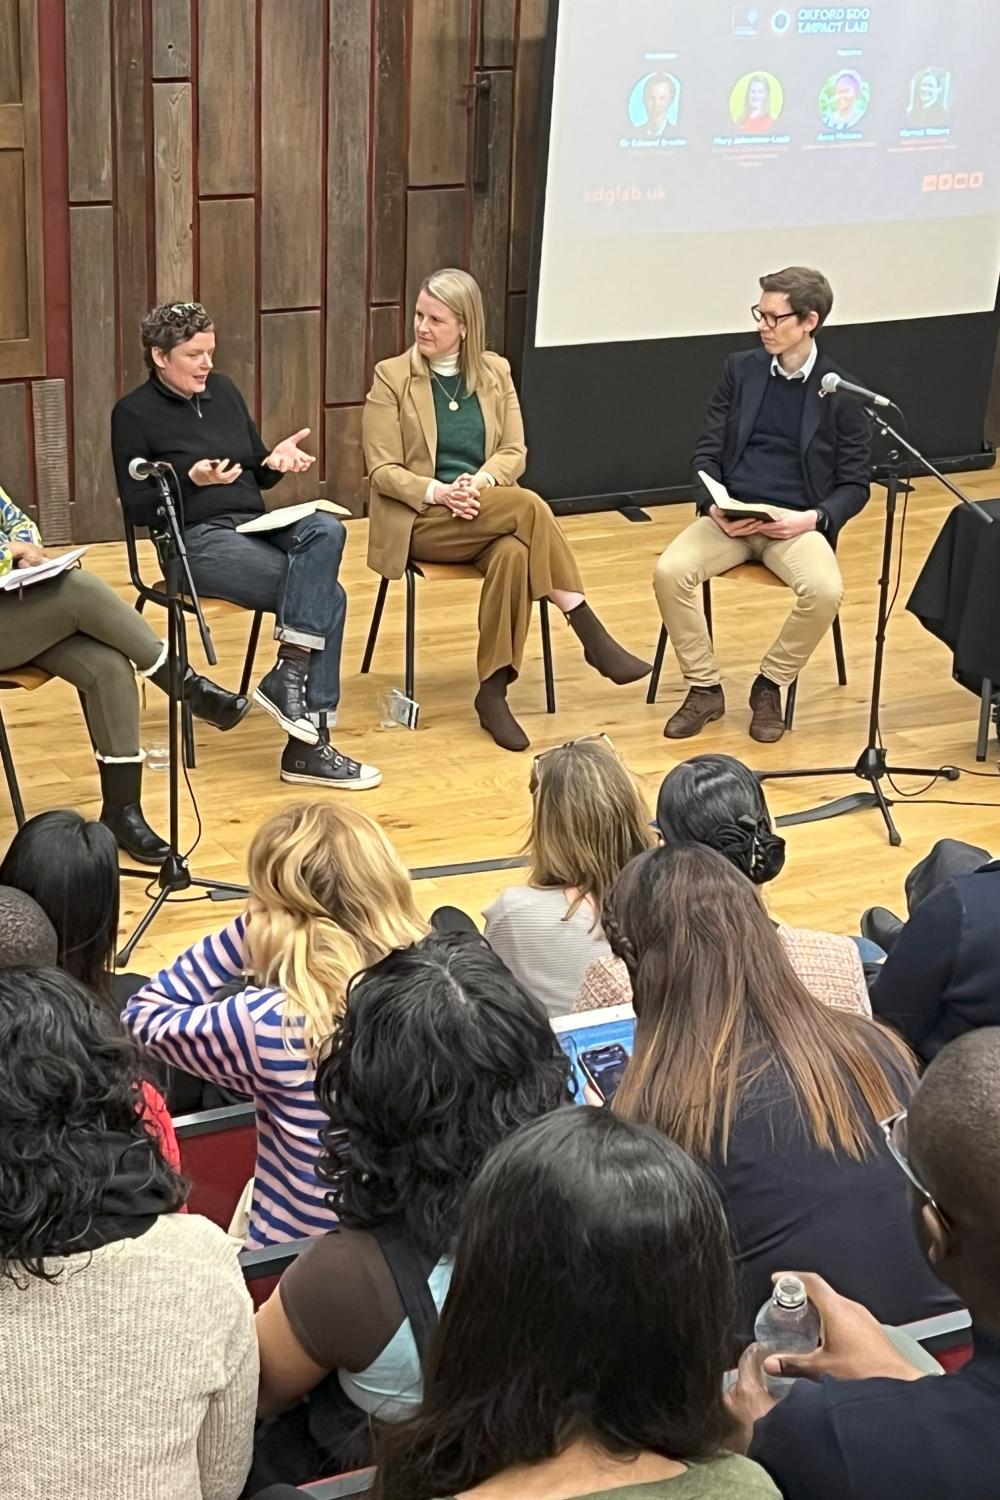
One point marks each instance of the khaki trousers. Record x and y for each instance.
(516, 544)
(807, 564)
(76, 628)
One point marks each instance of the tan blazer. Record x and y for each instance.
(399, 437)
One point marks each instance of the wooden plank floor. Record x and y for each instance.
(450, 795)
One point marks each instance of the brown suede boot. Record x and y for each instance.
(768, 721)
(701, 706)
(494, 715)
(602, 652)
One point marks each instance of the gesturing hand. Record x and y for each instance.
(287, 457)
(854, 1345)
(214, 471)
(796, 524)
(26, 554)
(734, 528)
(459, 499)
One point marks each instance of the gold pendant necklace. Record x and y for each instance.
(452, 402)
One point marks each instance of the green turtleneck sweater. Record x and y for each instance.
(461, 444)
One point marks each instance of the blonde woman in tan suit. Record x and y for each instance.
(444, 448)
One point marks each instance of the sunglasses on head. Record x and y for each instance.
(587, 739)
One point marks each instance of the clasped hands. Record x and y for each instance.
(796, 523)
(285, 458)
(461, 497)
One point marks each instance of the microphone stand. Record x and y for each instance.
(175, 874)
(871, 765)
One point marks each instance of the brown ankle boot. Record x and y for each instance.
(768, 721)
(494, 715)
(701, 706)
(602, 652)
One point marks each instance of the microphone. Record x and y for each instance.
(832, 384)
(145, 468)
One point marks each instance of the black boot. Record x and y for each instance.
(283, 694)
(494, 715)
(121, 786)
(206, 699)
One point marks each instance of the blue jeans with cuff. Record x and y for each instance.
(291, 572)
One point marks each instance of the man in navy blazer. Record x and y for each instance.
(770, 438)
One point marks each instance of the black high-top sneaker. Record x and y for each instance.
(322, 765)
(283, 694)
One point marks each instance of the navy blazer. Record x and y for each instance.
(835, 439)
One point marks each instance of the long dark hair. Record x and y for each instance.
(718, 1005)
(592, 1298)
(440, 1054)
(70, 1101)
(70, 867)
(716, 800)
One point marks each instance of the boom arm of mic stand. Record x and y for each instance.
(180, 552)
(891, 432)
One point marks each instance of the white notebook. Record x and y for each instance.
(287, 515)
(22, 578)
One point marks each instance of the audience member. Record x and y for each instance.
(587, 822)
(864, 1425)
(27, 938)
(328, 896)
(780, 1096)
(70, 868)
(716, 800)
(581, 1348)
(127, 1359)
(439, 1056)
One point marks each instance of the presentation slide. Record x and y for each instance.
(695, 146)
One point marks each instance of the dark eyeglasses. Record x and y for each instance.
(587, 739)
(770, 320)
(894, 1130)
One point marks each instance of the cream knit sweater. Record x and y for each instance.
(134, 1377)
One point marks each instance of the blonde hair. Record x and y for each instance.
(336, 899)
(461, 296)
(588, 821)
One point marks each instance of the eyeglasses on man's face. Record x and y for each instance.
(895, 1132)
(769, 320)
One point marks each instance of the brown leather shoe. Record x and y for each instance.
(768, 721)
(701, 706)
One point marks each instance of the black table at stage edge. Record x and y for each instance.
(957, 599)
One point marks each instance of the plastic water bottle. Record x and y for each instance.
(786, 1324)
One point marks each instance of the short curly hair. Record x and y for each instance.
(169, 324)
(440, 1055)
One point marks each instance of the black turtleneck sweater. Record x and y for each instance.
(155, 422)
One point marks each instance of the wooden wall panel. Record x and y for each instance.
(491, 212)
(92, 241)
(171, 38)
(435, 236)
(438, 108)
(227, 286)
(345, 465)
(13, 250)
(10, 52)
(88, 99)
(497, 26)
(527, 100)
(131, 151)
(290, 393)
(48, 399)
(172, 175)
(22, 314)
(384, 337)
(226, 152)
(388, 189)
(291, 110)
(347, 199)
(16, 474)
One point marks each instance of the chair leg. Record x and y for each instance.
(706, 602)
(838, 648)
(550, 686)
(248, 660)
(7, 759)
(654, 680)
(793, 688)
(383, 589)
(985, 707)
(411, 632)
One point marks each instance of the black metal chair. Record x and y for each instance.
(428, 571)
(760, 575)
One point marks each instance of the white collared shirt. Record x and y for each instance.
(778, 369)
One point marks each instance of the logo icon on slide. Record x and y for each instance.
(746, 20)
(781, 22)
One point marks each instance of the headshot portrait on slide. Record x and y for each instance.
(843, 100)
(654, 105)
(929, 101)
(755, 103)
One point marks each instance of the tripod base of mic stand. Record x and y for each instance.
(871, 767)
(175, 876)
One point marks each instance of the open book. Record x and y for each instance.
(22, 578)
(287, 515)
(738, 510)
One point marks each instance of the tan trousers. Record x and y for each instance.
(807, 564)
(516, 544)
